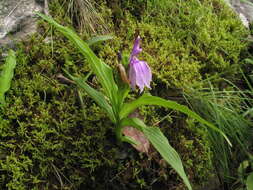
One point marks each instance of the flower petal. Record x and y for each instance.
(147, 73)
(132, 76)
(143, 74)
(139, 72)
(136, 49)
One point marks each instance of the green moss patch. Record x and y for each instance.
(50, 141)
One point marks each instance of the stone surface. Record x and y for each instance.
(17, 19)
(244, 8)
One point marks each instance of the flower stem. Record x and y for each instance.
(118, 131)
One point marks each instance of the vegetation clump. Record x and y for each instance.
(185, 42)
(51, 140)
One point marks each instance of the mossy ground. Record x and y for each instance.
(50, 141)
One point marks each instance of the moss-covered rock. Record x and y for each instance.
(49, 140)
(185, 42)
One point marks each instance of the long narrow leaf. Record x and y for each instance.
(7, 75)
(147, 99)
(103, 71)
(98, 39)
(97, 96)
(162, 145)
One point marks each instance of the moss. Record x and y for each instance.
(47, 142)
(47, 130)
(188, 138)
(185, 43)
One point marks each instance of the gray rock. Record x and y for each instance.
(17, 19)
(244, 9)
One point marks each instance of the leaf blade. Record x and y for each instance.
(98, 39)
(7, 75)
(161, 143)
(103, 71)
(249, 181)
(97, 96)
(147, 99)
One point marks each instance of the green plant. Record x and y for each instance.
(112, 100)
(226, 109)
(6, 75)
(245, 175)
(180, 50)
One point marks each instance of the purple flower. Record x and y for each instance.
(139, 72)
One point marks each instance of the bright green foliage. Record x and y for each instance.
(45, 130)
(161, 143)
(249, 182)
(114, 111)
(102, 71)
(46, 125)
(97, 96)
(185, 42)
(98, 39)
(6, 75)
(245, 174)
(224, 109)
(152, 100)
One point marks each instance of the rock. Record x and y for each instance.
(17, 19)
(244, 9)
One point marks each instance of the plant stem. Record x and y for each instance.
(118, 131)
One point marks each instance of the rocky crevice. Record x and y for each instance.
(17, 19)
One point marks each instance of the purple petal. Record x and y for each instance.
(136, 49)
(132, 76)
(142, 74)
(139, 72)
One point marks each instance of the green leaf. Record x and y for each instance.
(103, 71)
(97, 96)
(160, 142)
(250, 61)
(98, 39)
(242, 168)
(125, 59)
(7, 75)
(249, 182)
(147, 99)
(122, 94)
